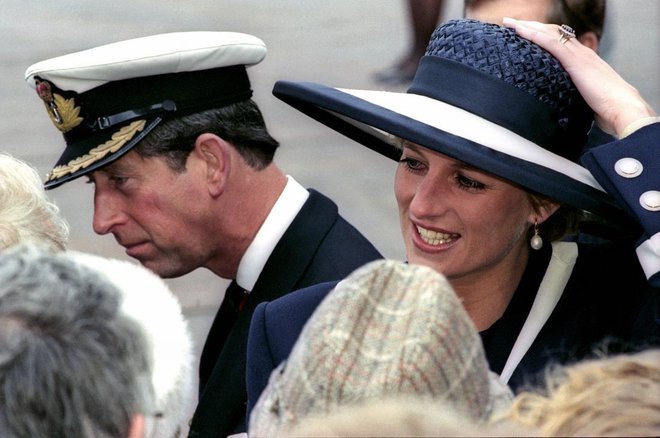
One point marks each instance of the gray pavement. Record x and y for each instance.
(338, 42)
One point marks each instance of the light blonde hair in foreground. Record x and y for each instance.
(615, 396)
(396, 417)
(26, 214)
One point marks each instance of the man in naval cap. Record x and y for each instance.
(183, 173)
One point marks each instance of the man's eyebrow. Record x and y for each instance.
(114, 167)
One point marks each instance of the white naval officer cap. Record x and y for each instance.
(106, 99)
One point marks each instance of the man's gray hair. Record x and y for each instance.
(26, 214)
(71, 363)
(240, 124)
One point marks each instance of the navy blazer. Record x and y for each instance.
(318, 246)
(638, 194)
(275, 328)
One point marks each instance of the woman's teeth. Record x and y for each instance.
(434, 237)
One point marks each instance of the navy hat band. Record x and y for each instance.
(492, 99)
(106, 122)
(165, 96)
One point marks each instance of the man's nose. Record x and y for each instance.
(107, 213)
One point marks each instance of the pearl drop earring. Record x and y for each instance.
(536, 242)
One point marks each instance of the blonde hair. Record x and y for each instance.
(615, 396)
(390, 417)
(26, 214)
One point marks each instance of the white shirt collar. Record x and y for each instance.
(280, 217)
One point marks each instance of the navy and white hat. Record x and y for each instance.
(106, 99)
(481, 95)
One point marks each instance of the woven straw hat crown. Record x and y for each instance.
(500, 53)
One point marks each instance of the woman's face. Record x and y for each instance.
(463, 222)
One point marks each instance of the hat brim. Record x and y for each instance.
(378, 119)
(97, 151)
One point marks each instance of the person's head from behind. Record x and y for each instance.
(168, 339)
(389, 330)
(26, 213)
(586, 17)
(71, 363)
(611, 396)
(161, 141)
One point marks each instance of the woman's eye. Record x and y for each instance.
(412, 164)
(468, 183)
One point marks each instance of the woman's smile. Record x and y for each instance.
(435, 238)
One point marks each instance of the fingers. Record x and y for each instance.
(560, 44)
(522, 28)
(615, 102)
(531, 29)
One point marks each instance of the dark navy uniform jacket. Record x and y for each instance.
(318, 246)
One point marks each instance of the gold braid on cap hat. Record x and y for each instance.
(118, 139)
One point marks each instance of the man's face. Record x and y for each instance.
(158, 215)
(492, 11)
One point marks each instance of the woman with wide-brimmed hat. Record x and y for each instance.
(489, 186)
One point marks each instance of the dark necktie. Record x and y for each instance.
(237, 297)
(233, 303)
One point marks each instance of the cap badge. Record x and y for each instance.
(63, 112)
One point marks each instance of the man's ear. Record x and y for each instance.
(589, 39)
(137, 426)
(215, 154)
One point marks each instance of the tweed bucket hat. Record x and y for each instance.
(484, 96)
(388, 330)
(106, 99)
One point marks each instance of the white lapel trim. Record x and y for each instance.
(562, 261)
